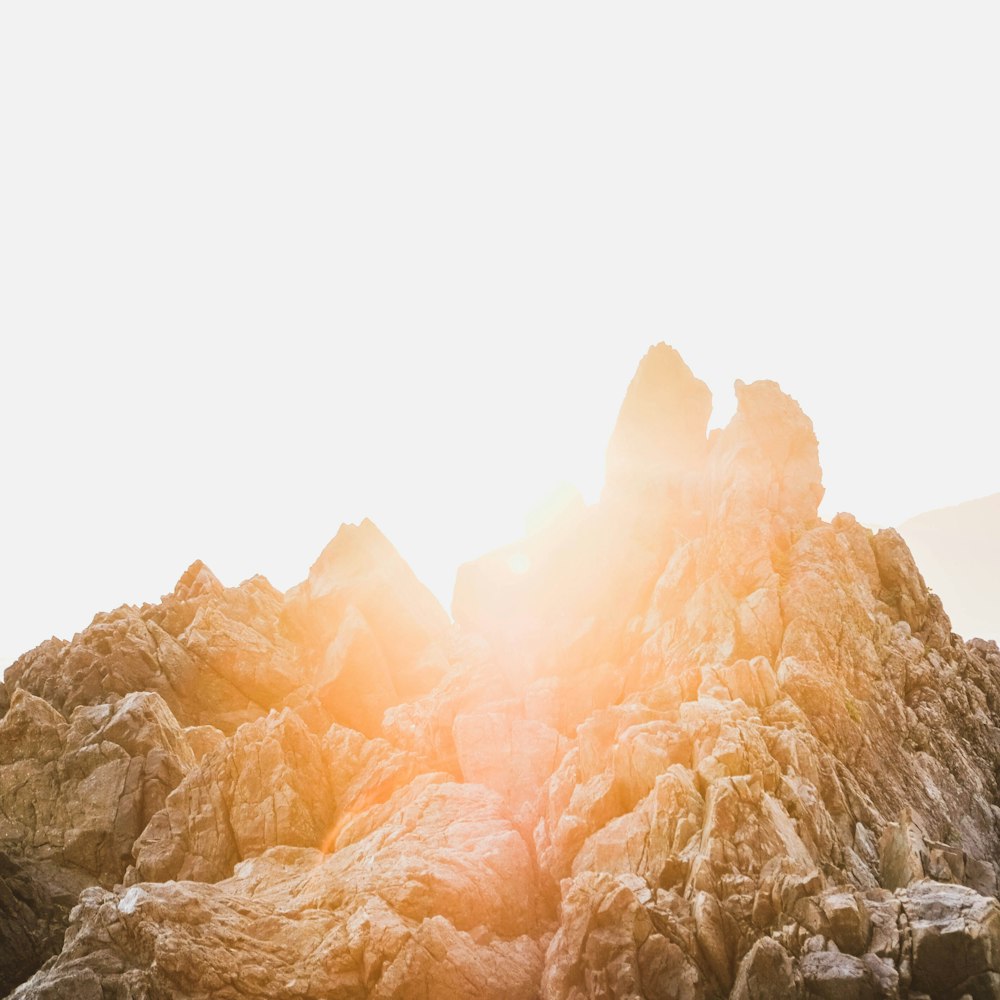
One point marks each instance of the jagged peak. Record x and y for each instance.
(362, 553)
(196, 581)
(771, 708)
(662, 424)
(355, 550)
(774, 417)
(772, 436)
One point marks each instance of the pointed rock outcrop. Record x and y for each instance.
(661, 428)
(197, 581)
(366, 627)
(690, 742)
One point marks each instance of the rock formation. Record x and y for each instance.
(691, 742)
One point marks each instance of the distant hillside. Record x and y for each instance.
(958, 551)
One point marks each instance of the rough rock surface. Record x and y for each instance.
(690, 742)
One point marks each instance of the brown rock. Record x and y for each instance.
(688, 741)
(955, 936)
(266, 785)
(767, 972)
(832, 976)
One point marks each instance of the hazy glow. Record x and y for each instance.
(270, 268)
(519, 562)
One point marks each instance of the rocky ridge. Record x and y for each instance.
(691, 742)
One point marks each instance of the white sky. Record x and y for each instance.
(269, 267)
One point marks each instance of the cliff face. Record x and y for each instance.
(691, 742)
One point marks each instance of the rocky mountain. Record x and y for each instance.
(958, 549)
(690, 742)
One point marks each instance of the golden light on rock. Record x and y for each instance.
(690, 741)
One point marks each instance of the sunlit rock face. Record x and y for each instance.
(365, 627)
(558, 601)
(661, 430)
(690, 742)
(216, 655)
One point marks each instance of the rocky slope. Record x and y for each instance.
(691, 742)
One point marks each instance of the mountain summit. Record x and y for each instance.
(691, 742)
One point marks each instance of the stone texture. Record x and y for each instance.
(431, 907)
(955, 939)
(35, 901)
(689, 742)
(215, 655)
(79, 791)
(266, 785)
(365, 627)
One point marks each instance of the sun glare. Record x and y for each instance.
(518, 562)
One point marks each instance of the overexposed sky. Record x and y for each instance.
(265, 268)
